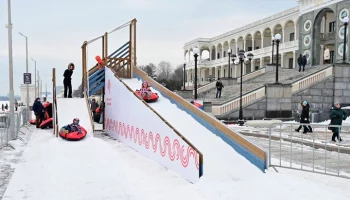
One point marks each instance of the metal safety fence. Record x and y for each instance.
(20, 121)
(290, 147)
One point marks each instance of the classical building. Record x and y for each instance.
(306, 29)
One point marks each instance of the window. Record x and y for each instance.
(331, 27)
(224, 53)
(218, 56)
(224, 72)
(292, 37)
(250, 48)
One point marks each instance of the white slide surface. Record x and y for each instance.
(70, 108)
(228, 175)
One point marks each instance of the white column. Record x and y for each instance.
(282, 60)
(244, 44)
(261, 62)
(262, 40)
(294, 60)
(253, 44)
(252, 65)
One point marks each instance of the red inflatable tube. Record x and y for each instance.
(46, 124)
(73, 136)
(154, 96)
(32, 121)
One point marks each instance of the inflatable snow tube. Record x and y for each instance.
(153, 97)
(46, 123)
(48, 108)
(32, 121)
(72, 136)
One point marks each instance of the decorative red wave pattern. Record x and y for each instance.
(173, 149)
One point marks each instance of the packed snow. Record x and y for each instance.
(228, 175)
(94, 168)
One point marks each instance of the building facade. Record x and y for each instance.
(307, 29)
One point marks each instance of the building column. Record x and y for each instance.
(282, 60)
(294, 59)
(253, 44)
(262, 40)
(261, 62)
(244, 44)
(252, 65)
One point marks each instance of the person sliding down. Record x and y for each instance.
(73, 127)
(145, 90)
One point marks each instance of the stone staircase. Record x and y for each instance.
(233, 91)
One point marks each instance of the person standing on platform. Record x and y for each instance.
(67, 81)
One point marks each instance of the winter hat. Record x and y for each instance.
(336, 103)
(305, 103)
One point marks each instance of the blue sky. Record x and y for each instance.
(56, 29)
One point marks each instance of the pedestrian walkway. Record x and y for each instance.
(52, 168)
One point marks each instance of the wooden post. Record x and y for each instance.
(106, 48)
(84, 70)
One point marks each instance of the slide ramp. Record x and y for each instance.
(70, 108)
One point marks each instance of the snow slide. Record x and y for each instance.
(228, 175)
(70, 108)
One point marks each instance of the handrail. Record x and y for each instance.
(122, 26)
(312, 78)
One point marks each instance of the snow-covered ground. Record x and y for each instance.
(103, 168)
(228, 175)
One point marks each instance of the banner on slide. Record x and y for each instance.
(134, 124)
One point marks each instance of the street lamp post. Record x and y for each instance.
(195, 54)
(278, 38)
(12, 111)
(241, 60)
(346, 22)
(229, 63)
(27, 69)
(185, 75)
(273, 46)
(35, 78)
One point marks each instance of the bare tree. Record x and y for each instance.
(150, 69)
(164, 70)
(178, 74)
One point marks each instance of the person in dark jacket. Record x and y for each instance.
(305, 117)
(39, 111)
(219, 87)
(67, 81)
(337, 116)
(300, 62)
(304, 61)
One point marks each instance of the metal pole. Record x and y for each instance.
(12, 113)
(344, 48)
(46, 91)
(240, 101)
(195, 76)
(27, 70)
(229, 65)
(38, 84)
(184, 76)
(35, 78)
(273, 45)
(277, 46)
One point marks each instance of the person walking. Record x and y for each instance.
(305, 117)
(102, 108)
(67, 81)
(94, 106)
(16, 105)
(38, 110)
(337, 116)
(219, 87)
(300, 62)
